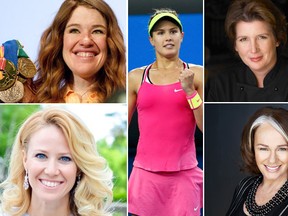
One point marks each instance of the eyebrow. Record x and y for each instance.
(282, 145)
(78, 25)
(266, 33)
(46, 152)
(161, 29)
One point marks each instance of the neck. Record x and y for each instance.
(47, 208)
(81, 85)
(168, 63)
(272, 185)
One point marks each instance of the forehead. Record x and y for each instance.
(49, 138)
(164, 23)
(267, 131)
(86, 15)
(253, 26)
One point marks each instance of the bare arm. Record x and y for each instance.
(191, 80)
(134, 81)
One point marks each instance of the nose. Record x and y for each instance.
(254, 46)
(168, 37)
(272, 157)
(51, 168)
(86, 41)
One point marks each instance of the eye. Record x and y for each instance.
(73, 31)
(98, 31)
(40, 156)
(283, 149)
(243, 39)
(174, 31)
(65, 159)
(160, 33)
(262, 37)
(263, 149)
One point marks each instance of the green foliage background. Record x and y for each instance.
(12, 116)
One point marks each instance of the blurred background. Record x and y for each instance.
(218, 52)
(108, 123)
(27, 20)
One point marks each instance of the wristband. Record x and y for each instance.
(194, 100)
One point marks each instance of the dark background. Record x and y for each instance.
(223, 127)
(218, 51)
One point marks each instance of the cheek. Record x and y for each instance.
(259, 157)
(34, 168)
(68, 42)
(101, 43)
(70, 172)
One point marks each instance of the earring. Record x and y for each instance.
(78, 180)
(26, 182)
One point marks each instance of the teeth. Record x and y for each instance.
(274, 168)
(169, 46)
(50, 184)
(85, 54)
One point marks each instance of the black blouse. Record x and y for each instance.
(238, 84)
(240, 195)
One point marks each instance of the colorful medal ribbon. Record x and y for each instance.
(11, 51)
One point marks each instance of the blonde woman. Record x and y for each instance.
(55, 169)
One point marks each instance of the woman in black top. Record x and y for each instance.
(258, 32)
(264, 151)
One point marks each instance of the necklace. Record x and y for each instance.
(263, 210)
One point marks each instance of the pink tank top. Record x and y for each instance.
(167, 126)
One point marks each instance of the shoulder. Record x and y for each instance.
(135, 78)
(136, 74)
(137, 71)
(198, 74)
(196, 68)
(246, 182)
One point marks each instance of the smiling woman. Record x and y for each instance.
(264, 149)
(62, 174)
(257, 31)
(82, 56)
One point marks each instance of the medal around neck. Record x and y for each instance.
(13, 94)
(8, 76)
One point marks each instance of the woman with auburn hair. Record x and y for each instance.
(257, 31)
(264, 150)
(61, 174)
(82, 55)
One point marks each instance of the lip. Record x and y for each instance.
(169, 45)
(256, 59)
(85, 54)
(51, 184)
(272, 168)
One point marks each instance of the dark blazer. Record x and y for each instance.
(238, 84)
(240, 195)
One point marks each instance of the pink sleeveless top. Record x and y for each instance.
(167, 126)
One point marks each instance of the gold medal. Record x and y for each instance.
(26, 67)
(21, 79)
(9, 76)
(13, 94)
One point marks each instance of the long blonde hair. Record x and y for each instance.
(92, 196)
(53, 73)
